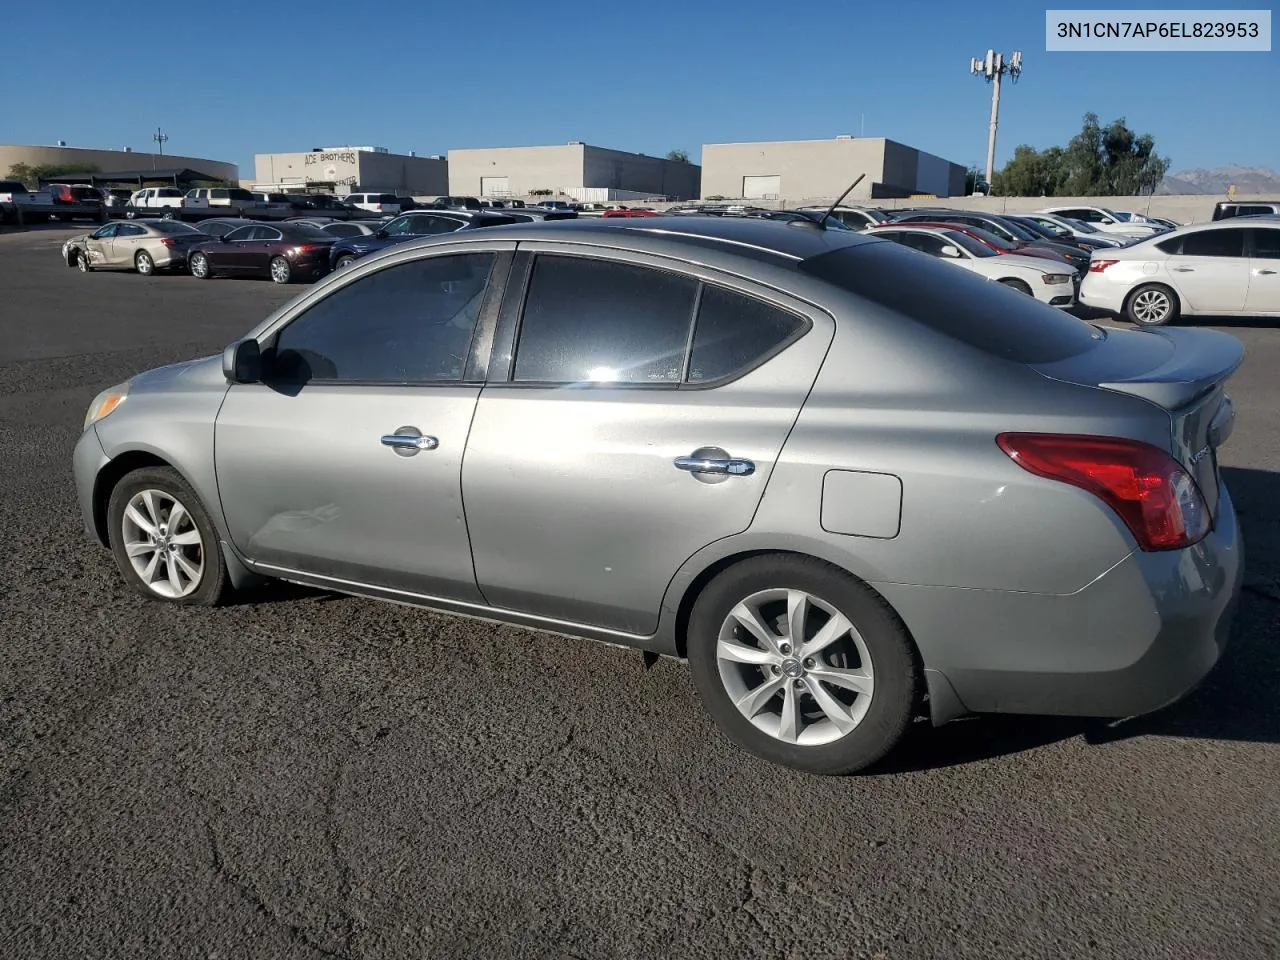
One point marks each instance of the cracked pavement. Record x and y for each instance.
(302, 775)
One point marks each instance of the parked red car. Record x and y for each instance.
(74, 193)
(984, 237)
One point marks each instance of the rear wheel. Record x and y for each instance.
(281, 270)
(802, 665)
(143, 263)
(199, 266)
(1152, 305)
(1018, 285)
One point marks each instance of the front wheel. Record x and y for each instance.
(169, 214)
(163, 540)
(345, 261)
(1017, 285)
(281, 270)
(802, 665)
(1152, 305)
(143, 263)
(199, 266)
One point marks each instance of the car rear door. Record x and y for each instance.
(1264, 270)
(232, 255)
(1211, 270)
(126, 243)
(589, 476)
(258, 252)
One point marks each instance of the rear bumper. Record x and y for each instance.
(1137, 638)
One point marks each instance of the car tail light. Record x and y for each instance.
(1156, 498)
(1097, 266)
(168, 241)
(303, 248)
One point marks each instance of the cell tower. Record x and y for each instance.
(992, 68)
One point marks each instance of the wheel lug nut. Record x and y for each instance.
(808, 663)
(776, 669)
(785, 648)
(798, 684)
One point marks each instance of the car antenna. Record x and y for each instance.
(831, 209)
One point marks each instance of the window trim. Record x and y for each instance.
(477, 360)
(511, 319)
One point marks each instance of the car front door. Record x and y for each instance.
(1264, 271)
(232, 255)
(97, 246)
(588, 476)
(345, 462)
(1211, 270)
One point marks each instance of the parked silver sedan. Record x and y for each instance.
(850, 484)
(142, 245)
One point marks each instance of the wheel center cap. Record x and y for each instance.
(793, 668)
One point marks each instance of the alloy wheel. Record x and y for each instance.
(199, 266)
(1152, 306)
(144, 263)
(280, 270)
(795, 667)
(163, 544)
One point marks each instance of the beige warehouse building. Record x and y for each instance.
(112, 161)
(345, 169)
(576, 170)
(800, 170)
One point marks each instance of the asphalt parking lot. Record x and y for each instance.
(303, 775)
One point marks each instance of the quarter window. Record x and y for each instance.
(735, 333)
(598, 321)
(407, 324)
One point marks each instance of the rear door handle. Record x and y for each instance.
(716, 466)
(1263, 273)
(1184, 269)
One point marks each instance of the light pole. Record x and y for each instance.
(992, 68)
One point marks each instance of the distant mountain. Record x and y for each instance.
(1247, 180)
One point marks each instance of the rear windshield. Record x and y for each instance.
(172, 226)
(304, 231)
(955, 303)
(12, 186)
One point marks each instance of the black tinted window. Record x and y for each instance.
(1266, 243)
(343, 230)
(304, 231)
(241, 233)
(410, 323)
(1214, 243)
(955, 303)
(597, 321)
(735, 333)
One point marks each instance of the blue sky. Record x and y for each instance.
(238, 78)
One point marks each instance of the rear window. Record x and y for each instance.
(304, 231)
(12, 186)
(955, 303)
(172, 227)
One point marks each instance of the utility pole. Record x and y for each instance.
(160, 138)
(992, 68)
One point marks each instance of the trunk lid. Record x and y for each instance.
(1183, 371)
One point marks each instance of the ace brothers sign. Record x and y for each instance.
(336, 166)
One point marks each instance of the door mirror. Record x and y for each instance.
(1106, 220)
(242, 362)
(950, 251)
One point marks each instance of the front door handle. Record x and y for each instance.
(409, 441)
(1184, 269)
(1263, 273)
(716, 466)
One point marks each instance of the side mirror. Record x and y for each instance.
(242, 362)
(1107, 220)
(950, 251)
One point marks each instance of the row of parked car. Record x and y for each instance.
(1149, 271)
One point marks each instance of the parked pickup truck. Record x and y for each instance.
(20, 205)
(233, 202)
(163, 202)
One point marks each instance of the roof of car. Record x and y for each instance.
(790, 240)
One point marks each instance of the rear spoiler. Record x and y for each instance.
(1201, 360)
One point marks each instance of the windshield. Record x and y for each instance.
(1019, 231)
(1122, 217)
(968, 243)
(1037, 228)
(1083, 226)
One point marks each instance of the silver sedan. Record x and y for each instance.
(850, 484)
(142, 245)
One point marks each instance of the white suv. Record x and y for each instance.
(377, 202)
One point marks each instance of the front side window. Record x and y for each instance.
(407, 324)
(597, 321)
(103, 233)
(734, 333)
(1214, 243)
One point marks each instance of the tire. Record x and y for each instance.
(344, 261)
(82, 262)
(281, 270)
(154, 493)
(871, 722)
(1152, 305)
(1017, 285)
(143, 263)
(198, 266)
(169, 214)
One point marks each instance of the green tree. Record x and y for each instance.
(1098, 161)
(679, 156)
(30, 175)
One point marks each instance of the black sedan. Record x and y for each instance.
(283, 252)
(221, 226)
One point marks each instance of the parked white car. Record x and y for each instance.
(1078, 228)
(387, 203)
(1039, 278)
(1228, 268)
(1108, 221)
